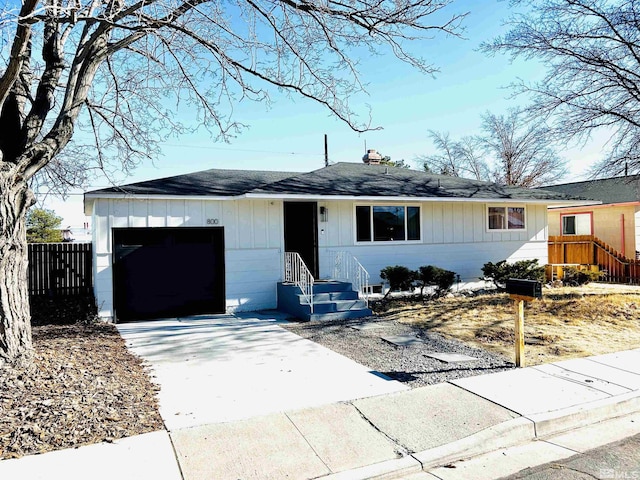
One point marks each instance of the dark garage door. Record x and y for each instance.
(168, 272)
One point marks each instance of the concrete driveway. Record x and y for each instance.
(220, 368)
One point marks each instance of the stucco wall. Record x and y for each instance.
(454, 236)
(607, 225)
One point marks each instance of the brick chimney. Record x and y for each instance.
(372, 157)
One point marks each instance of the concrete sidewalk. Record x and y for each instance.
(403, 434)
(147, 456)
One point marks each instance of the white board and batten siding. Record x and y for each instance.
(252, 234)
(454, 235)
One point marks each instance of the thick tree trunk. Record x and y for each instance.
(15, 317)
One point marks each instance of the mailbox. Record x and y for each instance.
(524, 288)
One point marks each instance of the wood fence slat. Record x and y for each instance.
(60, 269)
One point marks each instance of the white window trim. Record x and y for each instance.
(385, 242)
(506, 207)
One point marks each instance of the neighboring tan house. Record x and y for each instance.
(616, 221)
(215, 241)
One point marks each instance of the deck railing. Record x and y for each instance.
(590, 250)
(346, 267)
(295, 271)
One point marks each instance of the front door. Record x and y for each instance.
(301, 232)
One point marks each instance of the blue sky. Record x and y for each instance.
(405, 103)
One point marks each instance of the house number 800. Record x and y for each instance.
(212, 221)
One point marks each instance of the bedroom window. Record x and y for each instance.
(506, 218)
(387, 223)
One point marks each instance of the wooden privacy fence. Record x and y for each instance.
(59, 269)
(590, 250)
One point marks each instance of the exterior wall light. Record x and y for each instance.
(324, 214)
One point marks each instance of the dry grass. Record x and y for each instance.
(566, 323)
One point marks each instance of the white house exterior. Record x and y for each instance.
(381, 215)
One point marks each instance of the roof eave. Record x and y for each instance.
(375, 198)
(603, 205)
(88, 197)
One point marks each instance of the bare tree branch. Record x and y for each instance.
(511, 151)
(591, 50)
(521, 150)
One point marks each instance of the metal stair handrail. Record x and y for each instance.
(295, 271)
(346, 267)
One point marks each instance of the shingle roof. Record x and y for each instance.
(341, 179)
(607, 190)
(213, 182)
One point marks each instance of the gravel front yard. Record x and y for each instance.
(409, 364)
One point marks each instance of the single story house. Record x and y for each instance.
(215, 241)
(614, 218)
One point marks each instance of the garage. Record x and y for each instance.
(168, 272)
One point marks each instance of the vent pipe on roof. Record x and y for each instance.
(372, 157)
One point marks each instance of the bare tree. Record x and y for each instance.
(591, 52)
(457, 158)
(521, 152)
(446, 161)
(511, 151)
(95, 83)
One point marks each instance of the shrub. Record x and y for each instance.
(500, 272)
(437, 277)
(576, 277)
(400, 278)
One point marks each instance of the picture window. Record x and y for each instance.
(387, 223)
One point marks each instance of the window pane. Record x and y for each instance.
(413, 223)
(569, 225)
(583, 224)
(516, 218)
(388, 223)
(363, 224)
(497, 218)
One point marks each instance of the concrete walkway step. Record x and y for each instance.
(332, 300)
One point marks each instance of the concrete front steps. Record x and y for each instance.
(332, 300)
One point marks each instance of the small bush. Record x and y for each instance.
(576, 277)
(400, 278)
(500, 272)
(441, 279)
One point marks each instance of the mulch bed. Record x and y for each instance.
(85, 387)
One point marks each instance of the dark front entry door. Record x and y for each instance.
(301, 232)
(166, 272)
